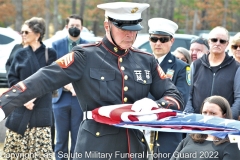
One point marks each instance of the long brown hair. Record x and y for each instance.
(225, 108)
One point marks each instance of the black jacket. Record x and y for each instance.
(11, 56)
(24, 64)
(225, 83)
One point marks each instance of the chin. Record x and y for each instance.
(126, 46)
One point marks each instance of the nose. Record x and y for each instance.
(158, 42)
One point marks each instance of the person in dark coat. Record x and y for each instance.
(221, 74)
(161, 38)
(107, 73)
(29, 125)
(66, 104)
(13, 53)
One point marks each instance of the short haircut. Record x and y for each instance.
(74, 16)
(37, 25)
(200, 40)
(222, 28)
(235, 39)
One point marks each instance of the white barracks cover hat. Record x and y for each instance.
(162, 26)
(124, 15)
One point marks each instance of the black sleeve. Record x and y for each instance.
(12, 54)
(164, 91)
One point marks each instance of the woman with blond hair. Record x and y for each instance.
(235, 46)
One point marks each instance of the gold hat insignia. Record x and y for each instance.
(134, 10)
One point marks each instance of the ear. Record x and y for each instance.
(106, 26)
(224, 115)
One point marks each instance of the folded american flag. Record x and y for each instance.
(165, 120)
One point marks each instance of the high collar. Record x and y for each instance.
(112, 48)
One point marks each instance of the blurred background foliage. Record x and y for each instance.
(192, 16)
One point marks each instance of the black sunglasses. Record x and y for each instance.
(200, 40)
(222, 41)
(161, 39)
(25, 32)
(235, 47)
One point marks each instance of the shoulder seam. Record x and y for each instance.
(91, 44)
(140, 51)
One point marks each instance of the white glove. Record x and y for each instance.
(2, 115)
(144, 105)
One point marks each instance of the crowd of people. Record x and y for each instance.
(203, 79)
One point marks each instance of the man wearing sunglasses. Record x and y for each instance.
(198, 47)
(215, 73)
(161, 37)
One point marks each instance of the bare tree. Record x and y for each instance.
(74, 6)
(82, 6)
(47, 17)
(224, 23)
(55, 16)
(171, 6)
(19, 14)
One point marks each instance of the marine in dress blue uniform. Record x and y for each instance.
(107, 75)
(175, 69)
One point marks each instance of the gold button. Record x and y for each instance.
(122, 68)
(126, 77)
(6, 95)
(125, 88)
(144, 81)
(163, 103)
(14, 90)
(120, 59)
(125, 99)
(98, 134)
(115, 49)
(142, 140)
(102, 78)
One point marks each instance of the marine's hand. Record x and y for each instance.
(144, 105)
(29, 105)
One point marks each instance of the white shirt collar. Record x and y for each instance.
(161, 58)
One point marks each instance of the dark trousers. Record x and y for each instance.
(68, 116)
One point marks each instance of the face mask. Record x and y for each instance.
(74, 32)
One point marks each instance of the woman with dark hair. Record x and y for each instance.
(29, 126)
(205, 146)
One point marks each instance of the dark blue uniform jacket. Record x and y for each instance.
(102, 74)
